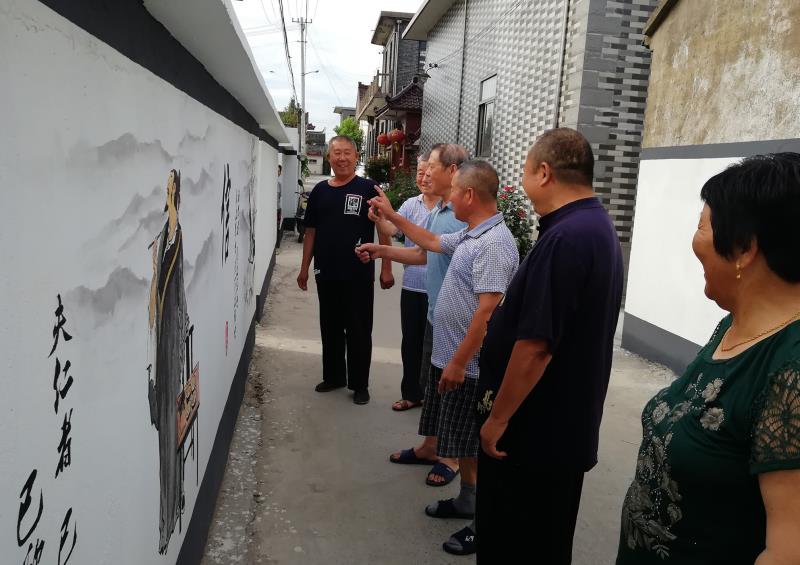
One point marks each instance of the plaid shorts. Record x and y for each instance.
(431, 402)
(451, 417)
(427, 351)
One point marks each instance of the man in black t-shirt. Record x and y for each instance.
(546, 362)
(336, 221)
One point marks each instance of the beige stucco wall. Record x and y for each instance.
(725, 71)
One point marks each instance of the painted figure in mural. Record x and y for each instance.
(168, 329)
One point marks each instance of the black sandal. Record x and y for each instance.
(446, 509)
(461, 543)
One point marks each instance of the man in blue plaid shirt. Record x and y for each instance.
(484, 260)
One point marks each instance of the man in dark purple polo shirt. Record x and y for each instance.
(546, 362)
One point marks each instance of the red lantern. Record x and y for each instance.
(383, 139)
(397, 136)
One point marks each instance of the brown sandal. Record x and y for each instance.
(403, 405)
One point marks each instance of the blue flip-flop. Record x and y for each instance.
(442, 470)
(409, 457)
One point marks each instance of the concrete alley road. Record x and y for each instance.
(309, 481)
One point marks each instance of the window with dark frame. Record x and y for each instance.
(486, 117)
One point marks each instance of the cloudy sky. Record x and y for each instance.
(339, 47)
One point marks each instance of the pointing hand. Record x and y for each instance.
(382, 204)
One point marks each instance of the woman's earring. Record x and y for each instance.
(738, 271)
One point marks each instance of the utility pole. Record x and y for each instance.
(304, 21)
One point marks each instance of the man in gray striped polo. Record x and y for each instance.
(484, 260)
(443, 163)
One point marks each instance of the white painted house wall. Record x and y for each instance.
(291, 172)
(315, 165)
(88, 140)
(665, 279)
(724, 82)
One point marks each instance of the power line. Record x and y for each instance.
(262, 30)
(286, 49)
(324, 68)
(272, 8)
(263, 9)
(272, 28)
(480, 34)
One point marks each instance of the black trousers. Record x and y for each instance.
(413, 317)
(345, 324)
(526, 515)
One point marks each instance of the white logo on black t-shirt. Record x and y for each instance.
(352, 204)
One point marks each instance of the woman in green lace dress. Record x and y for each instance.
(718, 473)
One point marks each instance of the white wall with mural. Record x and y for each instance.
(665, 279)
(266, 205)
(130, 268)
(291, 173)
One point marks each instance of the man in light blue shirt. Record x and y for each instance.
(443, 163)
(484, 259)
(414, 296)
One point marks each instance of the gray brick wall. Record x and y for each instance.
(408, 63)
(613, 95)
(529, 46)
(440, 105)
(603, 84)
(572, 75)
(520, 50)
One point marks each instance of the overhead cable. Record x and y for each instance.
(324, 68)
(286, 48)
(263, 9)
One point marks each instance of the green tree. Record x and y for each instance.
(304, 170)
(349, 128)
(290, 116)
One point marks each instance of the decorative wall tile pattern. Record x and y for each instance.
(603, 83)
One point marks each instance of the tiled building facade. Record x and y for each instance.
(402, 63)
(575, 63)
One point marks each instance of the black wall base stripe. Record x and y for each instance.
(721, 150)
(194, 543)
(262, 295)
(128, 27)
(657, 344)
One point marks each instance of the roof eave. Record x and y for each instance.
(224, 52)
(370, 107)
(657, 18)
(390, 17)
(426, 18)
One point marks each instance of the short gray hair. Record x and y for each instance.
(568, 153)
(342, 138)
(481, 176)
(450, 154)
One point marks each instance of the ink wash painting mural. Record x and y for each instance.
(115, 302)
